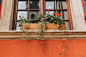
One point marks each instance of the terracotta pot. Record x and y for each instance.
(34, 26)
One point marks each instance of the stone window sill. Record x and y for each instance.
(50, 34)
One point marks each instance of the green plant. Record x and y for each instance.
(42, 24)
(53, 19)
(24, 20)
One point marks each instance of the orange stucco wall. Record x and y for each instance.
(32, 48)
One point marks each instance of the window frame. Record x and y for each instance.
(42, 10)
(83, 9)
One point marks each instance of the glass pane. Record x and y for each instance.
(66, 25)
(33, 14)
(34, 4)
(17, 26)
(22, 4)
(50, 4)
(22, 14)
(50, 12)
(64, 14)
(61, 5)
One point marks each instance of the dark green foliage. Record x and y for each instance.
(53, 19)
(46, 18)
(60, 54)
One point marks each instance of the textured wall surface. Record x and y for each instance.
(33, 48)
(77, 15)
(6, 15)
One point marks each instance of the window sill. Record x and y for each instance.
(50, 34)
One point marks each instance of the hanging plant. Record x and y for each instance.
(41, 26)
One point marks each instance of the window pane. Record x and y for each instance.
(50, 4)
(61, 5)
(34, 4)
(22, 14)
(66, 25)
(22, 4)
(33, 14)
(64, 14)
(17, 26)
(50, 12)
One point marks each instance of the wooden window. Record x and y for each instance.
(32, 8)
(58, 7)
(84, 7)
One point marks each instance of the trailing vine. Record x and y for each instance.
(42, 25)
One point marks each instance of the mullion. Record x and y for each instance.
(22, 9)
(33, 9)
(62, 9)
(28, 11)
(56, 7)
(44, 8)
(16, 13)
(50, 9)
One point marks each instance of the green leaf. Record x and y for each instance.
(26, 33)
(60, 54)
(38, 38)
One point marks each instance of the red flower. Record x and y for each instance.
(54, 13)
(48, 10)
(19, 16)
(59, 15)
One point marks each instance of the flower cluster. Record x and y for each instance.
(46, 18)
(55, 13)
(52, 13)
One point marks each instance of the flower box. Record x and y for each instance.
(34, 26)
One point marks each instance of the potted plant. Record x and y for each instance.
(53, 22)
(28, 24)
